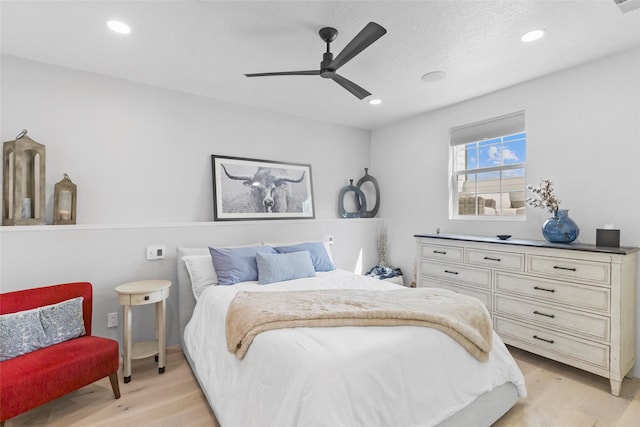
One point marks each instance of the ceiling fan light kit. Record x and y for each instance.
(328, 67)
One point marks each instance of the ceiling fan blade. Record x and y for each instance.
(369, 34)
(287, 73)
(351, 86)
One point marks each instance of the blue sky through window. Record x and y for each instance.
(497, 152)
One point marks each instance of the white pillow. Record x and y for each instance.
(201, 273)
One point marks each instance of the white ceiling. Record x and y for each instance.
(205, 47)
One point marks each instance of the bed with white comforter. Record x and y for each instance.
(341, 376)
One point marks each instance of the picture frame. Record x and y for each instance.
(254, 189)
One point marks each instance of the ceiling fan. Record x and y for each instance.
(328, 67)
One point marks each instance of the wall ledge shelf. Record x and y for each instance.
(160, 225)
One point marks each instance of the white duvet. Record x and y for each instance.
(345, 376)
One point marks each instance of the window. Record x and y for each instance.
(488, 168)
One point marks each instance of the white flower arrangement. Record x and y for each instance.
(543, 196)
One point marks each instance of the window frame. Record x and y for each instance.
(500, 128)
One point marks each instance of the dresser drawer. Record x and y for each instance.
(457, 273)
(574, 269)
(442, 253)
(556, 345)
(590, 326)
(484, 296)
(573, 294)
(496, 259)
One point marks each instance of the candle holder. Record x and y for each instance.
(23, 185)
(65, 195)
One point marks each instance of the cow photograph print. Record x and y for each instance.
(246, 189)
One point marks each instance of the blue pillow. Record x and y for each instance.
(235, 265)
(281, 267)
(317, 252)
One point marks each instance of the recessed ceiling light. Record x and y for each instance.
(119, 27)
(375, 101)
(434, 76)
(532, 35)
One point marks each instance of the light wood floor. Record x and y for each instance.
(559, 396)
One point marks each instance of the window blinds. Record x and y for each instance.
(487, 129)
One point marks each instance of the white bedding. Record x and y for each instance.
(346, 376)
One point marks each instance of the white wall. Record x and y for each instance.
(583, 132)
(140, 156)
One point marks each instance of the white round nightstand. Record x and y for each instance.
(141, 293)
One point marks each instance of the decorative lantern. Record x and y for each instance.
(65, 195)
(23, 173)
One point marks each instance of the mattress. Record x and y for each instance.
(345, 376)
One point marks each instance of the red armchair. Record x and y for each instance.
(38, 377)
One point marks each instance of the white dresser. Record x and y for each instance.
(573, 303)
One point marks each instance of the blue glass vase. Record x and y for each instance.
(560, 228)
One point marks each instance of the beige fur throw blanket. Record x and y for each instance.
(463, 318)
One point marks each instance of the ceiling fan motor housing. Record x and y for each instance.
(327, 34)
(326, 71)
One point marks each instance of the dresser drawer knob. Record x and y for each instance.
(451, 272)
(440, 252)
(544, 314)
(543, 339)
(146, 297)
(538, 288)
(488, 258)
(557, 267)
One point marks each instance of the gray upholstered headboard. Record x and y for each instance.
(186, 301)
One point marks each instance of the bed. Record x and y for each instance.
(328, 376)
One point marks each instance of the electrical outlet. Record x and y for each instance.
(112, 320)
(155, 252)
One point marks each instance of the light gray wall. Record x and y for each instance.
(140, 156)
(583, 133)
(108, 255)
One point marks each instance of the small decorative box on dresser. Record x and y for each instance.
(573, 303)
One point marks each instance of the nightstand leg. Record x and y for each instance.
(127, 343)
(161, 329)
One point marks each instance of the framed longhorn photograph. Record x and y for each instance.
(251, 189)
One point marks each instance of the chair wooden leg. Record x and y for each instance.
(114, 385)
